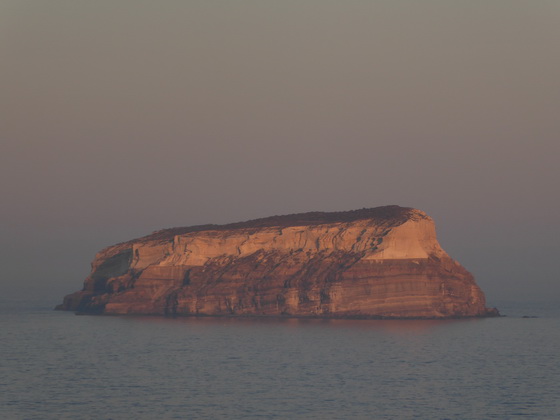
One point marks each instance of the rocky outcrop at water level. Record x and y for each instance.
(383, 262)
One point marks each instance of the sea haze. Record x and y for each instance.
(55, 365)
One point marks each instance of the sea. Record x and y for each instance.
(58, 365)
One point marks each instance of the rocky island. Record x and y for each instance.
(383, 262)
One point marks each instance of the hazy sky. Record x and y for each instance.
(120, 117)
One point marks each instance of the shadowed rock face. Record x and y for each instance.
(371, 263)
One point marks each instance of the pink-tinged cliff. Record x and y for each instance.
(383, 262)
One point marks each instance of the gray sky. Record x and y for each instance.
(122, 117)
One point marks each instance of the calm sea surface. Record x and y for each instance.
(56, 365)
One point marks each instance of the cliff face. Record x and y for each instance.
(371, 263)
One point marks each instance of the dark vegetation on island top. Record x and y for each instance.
(378, 263)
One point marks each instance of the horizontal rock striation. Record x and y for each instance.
(383, 262)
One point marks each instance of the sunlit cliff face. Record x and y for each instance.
(385, 264)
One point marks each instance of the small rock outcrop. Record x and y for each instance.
(383, 262)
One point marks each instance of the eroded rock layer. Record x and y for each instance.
(371, 263)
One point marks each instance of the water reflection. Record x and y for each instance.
(206, 367)
(411, 326)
